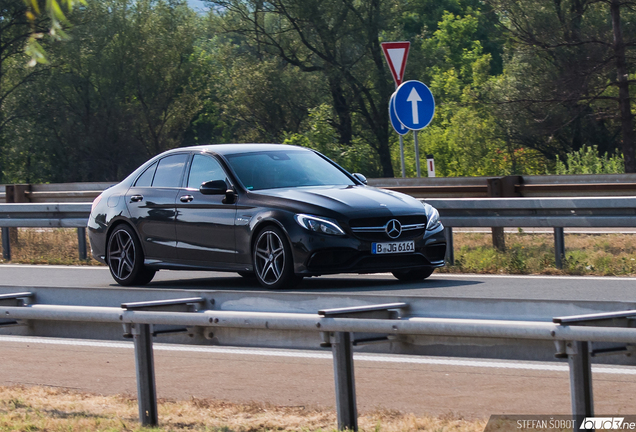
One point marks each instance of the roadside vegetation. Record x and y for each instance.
(526, 253)
(89, 89)
(54, 409)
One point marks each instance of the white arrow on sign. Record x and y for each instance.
(414, 98)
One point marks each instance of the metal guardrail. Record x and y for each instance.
(556, 213)
(454, 212)
(537, 212)
(52, 215)
(334, 327)
(54, 192)
(523, 186)
(426, 187)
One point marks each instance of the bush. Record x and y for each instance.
(588, 161)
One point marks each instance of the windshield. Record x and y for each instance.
(285, 168)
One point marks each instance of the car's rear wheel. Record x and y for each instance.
(126, 258)
(414, 274)
(273, 261)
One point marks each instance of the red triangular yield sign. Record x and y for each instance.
(396, 54)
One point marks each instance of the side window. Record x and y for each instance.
(169, 171)
(204, 169)
(146, 178)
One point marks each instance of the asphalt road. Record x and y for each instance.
(566, 288)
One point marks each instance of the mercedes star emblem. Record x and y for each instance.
(393, 228)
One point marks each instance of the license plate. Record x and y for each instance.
(395, 247)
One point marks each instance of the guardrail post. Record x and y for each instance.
(341, 345)
(81, 243)
(145, 365)
(450, 250)
(345, 381)
(6, 244)
(144, 361)
(501, 187)
(495, 189)
(580, 381)
(559, 247)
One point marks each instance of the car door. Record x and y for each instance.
(151, 203)
(205, 225)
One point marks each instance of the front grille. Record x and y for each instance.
(381, 221)
(374, 262)
(374, 229)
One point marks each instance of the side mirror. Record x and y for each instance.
(362, 179)
(215, 187)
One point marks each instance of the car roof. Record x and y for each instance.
(227, 149)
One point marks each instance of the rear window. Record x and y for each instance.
(145, 179)
(169, 171)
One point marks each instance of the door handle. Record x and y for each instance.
(136, 198)
(186, 198)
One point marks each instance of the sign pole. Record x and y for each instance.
(402, 156)
(417, 153)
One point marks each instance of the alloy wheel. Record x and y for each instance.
(269, 257)
(121, 254)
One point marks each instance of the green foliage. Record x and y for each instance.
(109, 102)
(54, 11)
(588, 161)
(466, 137)
(318, 134)
(517, 84)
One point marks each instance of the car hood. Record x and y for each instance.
(349, 200)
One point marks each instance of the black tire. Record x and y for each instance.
(273, 261)
(126, 258)
(414, 275)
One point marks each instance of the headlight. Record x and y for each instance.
(433, 217)
(319, 224)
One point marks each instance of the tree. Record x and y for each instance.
(569, 71)
(15, 30)
(124, 88)
(339, 39)
(53, 12)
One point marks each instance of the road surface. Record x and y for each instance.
(529, 287)
(424, 385)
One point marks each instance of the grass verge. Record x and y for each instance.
(52, 409)
(527, 253)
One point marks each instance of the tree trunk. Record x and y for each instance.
(343, 111)
(627, 123)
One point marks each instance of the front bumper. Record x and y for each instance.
(316, 255)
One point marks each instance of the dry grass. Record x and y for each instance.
(603, 254)
(47, 246)
(54, 409)
(526, 253)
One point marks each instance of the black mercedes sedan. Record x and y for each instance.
(274, 212)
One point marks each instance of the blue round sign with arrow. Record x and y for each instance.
(414, 105)
(399, 127)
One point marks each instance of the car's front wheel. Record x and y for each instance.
(126, 258)
(414, 275)
(273, 261)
